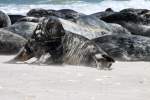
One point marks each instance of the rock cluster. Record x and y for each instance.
(68, 37)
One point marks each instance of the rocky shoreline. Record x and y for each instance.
(66, 36)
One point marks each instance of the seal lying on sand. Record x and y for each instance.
(54, 43)
(125, 48)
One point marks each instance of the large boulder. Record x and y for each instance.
(102, 14)
(63, 13)
(95, 23)
(58, 41)
(15, 18)
(138, 29)
(4, 20)
(38, 13)
(87, 26)
(24, 29)
(132, 20)
(30, 19)
(125, 48)
(145, 13)
(70, 14)
(140, 16)
(10, 43)
(120, 17)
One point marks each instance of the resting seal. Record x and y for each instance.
(51, 43)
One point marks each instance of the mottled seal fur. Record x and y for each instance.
(51, 43)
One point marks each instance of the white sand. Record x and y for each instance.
(127, 81)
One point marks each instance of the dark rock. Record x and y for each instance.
(10, 43)
(24, 29)
(138, 29)
(55, 13)
(120, 17)
(109, 9)
(133, 22)
(100, 26)
(30, 19)
(38, 13)
(102, 14)
(63, 13)
(70, 14)
(128, 15)
(135, 11)
(118, 29)
(4, 20)
(15, 18)
(125, 48)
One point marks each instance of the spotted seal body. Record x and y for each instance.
(79, 50)
(52, 43)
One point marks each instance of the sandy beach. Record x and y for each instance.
(126, 81)
(81, 32)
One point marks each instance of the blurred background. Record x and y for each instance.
(83, 6)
